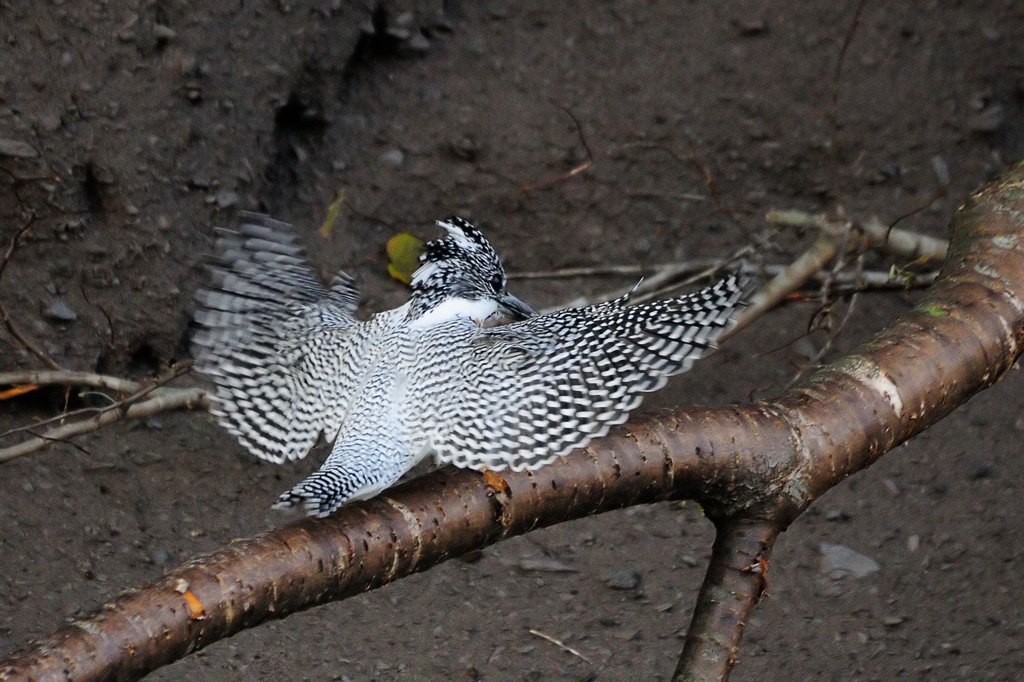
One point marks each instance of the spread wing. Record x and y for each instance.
(532, 391)
(273, 339)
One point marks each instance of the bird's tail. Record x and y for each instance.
(347, 475)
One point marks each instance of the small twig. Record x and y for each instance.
(158, 383)
(827, 346)
(560, 645)
(576, 170)
(665, 278)
(676, 196)
(366, 216)
(786, 282)
(168, 399)
(162, 398)
(111, 340)
(827, 298)
(833, 110)
(936, 195)
(896, 241)
(844, 282)
(591, 271)
(694, 162)
(62, 377)
(11, 329)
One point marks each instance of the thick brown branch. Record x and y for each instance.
(766, 460)
(736, 579)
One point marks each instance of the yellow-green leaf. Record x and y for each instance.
(404, 252)
(332, 213)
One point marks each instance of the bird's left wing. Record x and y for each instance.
(526, 393)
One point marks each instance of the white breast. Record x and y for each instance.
(477, 310)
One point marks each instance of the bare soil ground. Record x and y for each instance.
(131, 129)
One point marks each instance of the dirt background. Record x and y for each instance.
(130, 129)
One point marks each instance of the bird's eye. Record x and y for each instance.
(498, 282)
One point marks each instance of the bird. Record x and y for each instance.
(291, 362)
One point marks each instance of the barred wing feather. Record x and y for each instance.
(536, 389)
(271, 337)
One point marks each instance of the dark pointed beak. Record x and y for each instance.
(514, 308)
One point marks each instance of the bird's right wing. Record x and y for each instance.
(273, 339)
(529, 392)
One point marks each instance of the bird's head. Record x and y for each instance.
(460, 275)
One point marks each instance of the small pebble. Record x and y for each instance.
(836, 515)
(624, 579)
(545, 565)
(225, 198)
(164, 33)
(398, 33)
(890, 485)
(465, 148)
(60, 312)
(418, 43)
(838, 561)
(49, 122)
(16, 149)
(6, 646)
(690, 560)
(988, 120)
(751, 27)
(941, 169)
(394, 157)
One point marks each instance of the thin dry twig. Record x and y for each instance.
(832, 113)
(663, 280)
(8, 323)
(787, 281)
(575, 170)
(826, 347)
(844, 282)
(172, 399)
(893, 240)
(674, 196)
(560, 645)
(63, 377)
(134, 406)
(694, 162)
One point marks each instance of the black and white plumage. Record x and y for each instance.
(290, 361)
